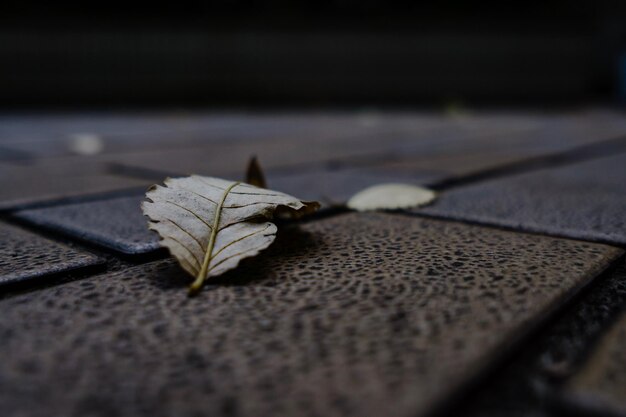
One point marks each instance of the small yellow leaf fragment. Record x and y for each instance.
(390, 197)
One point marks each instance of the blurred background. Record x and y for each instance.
(288, 53)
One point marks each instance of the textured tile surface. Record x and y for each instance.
(532, 381)
(350, 142)
(600, 386)
(43, 135)
(58, 135)
(115, 223)
(25, 256)
(458, 163)
(496, 149)
(583, 200)
(450, 146)
(56, 179)
(354, 315)
(230, 159)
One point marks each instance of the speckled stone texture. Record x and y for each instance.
(353, 315)
(32, 182)
(584, 201)
(600, 386)
(27, 256)
(115, 223)
(531, 383)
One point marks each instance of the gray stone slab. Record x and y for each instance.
(26, 256)
(285, 152)
(118, 133)
(495, 149)
(583, 201)
(599, 387)
(115, 223)
(458, 163)
(57, 135)
(118, 224)
(10, 154)
(15, 128)
(353, 315)
(345, 140)
(44, 180)
(453, 147)
(533, 380)
(44, 135)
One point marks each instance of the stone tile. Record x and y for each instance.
(583, 201)
(562, 132)
(532, 381)
(600, 386)
(118, 224)
(10, 154)
(313, 150)
(496, 149)
(115, 223)
(27, 256)
(56, 135)
(454, 146)
(57, 179)
(230, 159)
(459, 163)
(353, 315)
(345, 140)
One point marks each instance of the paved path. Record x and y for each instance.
(499, 299)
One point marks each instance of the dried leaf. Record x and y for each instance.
(210, 224)
(391, 196)
(254, 174)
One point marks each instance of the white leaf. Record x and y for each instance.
(390, 197)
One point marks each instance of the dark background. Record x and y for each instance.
(286, 53)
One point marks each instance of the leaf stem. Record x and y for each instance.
(202, 275)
